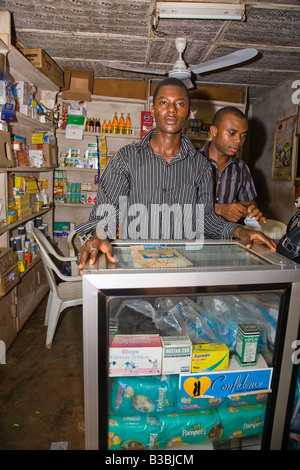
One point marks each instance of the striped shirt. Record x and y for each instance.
(144, 179)
(235, 183)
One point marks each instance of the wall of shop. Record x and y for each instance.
(276, 198)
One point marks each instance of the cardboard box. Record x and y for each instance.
(131, 355)
(6, 259)
(40, 60)
(9, 279)
(78, 85)
(209, 356)
(6, 153)
(50, 154)
(176, 355)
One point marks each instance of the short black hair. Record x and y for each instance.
(221, 113)
(174, 82)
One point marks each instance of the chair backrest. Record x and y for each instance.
(46, 250)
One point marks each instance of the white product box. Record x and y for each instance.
(131, 355)
(23, 92)
(177, 354)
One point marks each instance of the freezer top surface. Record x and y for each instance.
(209, 255)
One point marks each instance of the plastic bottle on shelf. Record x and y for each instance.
(104, 127)
(115, 124)
(98, 127)
(128, 124)
(122, 124)
(109, 127)
(87, 125)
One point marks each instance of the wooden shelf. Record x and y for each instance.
(5, 227)
(19, 66)
(71, 204)
(28, 169)
(35, 125)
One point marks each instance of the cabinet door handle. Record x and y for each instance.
(38, 277)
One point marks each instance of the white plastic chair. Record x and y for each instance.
(72, 248)
(62, 295)
(272, 228)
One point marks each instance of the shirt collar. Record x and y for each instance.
(205, 152)
(186, 144)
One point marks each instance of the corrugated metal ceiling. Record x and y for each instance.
(78, 33)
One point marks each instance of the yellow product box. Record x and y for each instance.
(209, 356)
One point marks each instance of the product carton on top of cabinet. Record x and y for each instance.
(135, 355)
(40, 60)
(177, 354)
(9, 274)
(6, 259)
(78, 85)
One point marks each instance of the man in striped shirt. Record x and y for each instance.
(145, 179)
(234, 189)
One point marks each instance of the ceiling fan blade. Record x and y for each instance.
(189, 84)
(226, 61)
(129, 68)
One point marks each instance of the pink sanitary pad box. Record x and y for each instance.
(135, 355)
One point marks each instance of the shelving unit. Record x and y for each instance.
(21, 300)
(102, 107)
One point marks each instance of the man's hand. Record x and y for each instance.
(255, 213)
(231, 211)
(247, 237)
(234, 211)
(91, 248)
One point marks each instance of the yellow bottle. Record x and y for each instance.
(109, 127)
(128, 124)
(115, 124)
(122, 124)
(104, 127)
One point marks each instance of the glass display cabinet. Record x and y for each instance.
(189, 346)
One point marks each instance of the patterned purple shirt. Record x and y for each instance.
(235, 183)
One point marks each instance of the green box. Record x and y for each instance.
(247, 343)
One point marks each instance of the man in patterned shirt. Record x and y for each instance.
(234, 189)
(162, 170)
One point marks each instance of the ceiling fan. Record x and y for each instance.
(181, 71)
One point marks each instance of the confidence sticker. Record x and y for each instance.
(224, 383)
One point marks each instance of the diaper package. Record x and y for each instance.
(184, 428)
(135, 433)
(190, 403)
(149, 395)
(244, 420)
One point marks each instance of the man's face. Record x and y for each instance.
(171, 109)
(230, 135)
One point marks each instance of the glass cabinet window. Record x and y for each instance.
(150, 411)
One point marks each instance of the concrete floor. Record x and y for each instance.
(41, 390)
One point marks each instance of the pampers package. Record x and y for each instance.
(135, 433)
(131, 396)
(185, 427)
(192, 404)
(240, 421)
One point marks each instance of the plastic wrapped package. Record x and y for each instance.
(135, 433)
(241, 421)
(181, 316)
(188, 428)
(223, 314)
(141, 395)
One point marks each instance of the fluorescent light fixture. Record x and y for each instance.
(209, 11)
